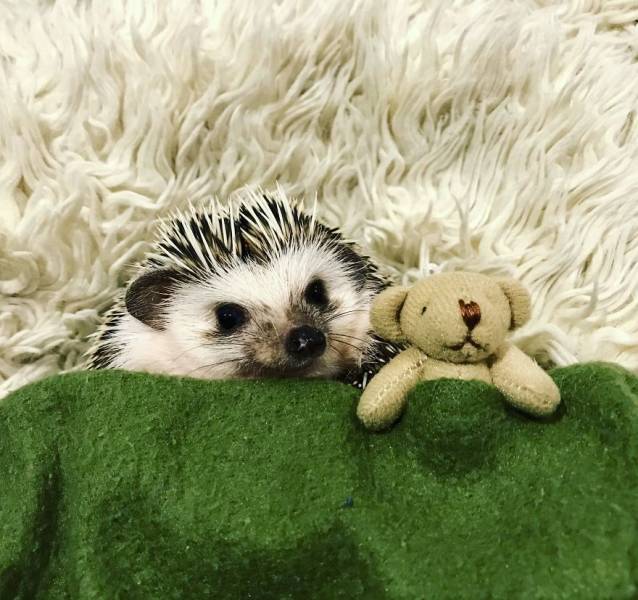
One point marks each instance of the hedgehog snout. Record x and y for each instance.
(305, 342)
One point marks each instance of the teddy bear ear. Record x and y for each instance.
(386, 312)
(519, 299)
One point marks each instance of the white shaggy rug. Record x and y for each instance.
(500, 136)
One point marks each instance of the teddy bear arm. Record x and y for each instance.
(524, 383)
(384, 397)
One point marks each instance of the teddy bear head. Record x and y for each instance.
(455, 317)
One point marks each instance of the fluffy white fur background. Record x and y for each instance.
(496, 135)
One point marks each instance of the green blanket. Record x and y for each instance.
(119, 485)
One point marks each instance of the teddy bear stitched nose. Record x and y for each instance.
(471, 313)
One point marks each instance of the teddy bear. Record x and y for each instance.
(454, 326)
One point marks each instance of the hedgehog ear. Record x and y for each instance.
(147, 296)
(386, 312)
(519, 299)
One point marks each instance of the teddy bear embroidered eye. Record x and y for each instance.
(455, 326)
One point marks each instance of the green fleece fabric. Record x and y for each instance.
(120, 485)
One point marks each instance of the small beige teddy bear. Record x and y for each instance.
(456, 325)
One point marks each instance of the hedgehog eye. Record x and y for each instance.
(230, 316)
(316, 293)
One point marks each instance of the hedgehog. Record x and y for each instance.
(248, 289)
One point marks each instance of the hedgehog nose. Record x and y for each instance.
(305, 342)
(471, 313)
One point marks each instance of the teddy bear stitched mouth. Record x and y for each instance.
(468, 340)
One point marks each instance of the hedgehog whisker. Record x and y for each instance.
(202, 345)
(274, 326)
(344, 313)
(217, 344)
(178, 356)
(351, 337)
(341, 354)
(232, 341)
(261, 328)
(215, 364)
(348, 344)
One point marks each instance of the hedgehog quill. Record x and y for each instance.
(260, 290)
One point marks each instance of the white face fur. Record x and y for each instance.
(265, 305)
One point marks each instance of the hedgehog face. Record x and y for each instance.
(263, 292)
(300, 315)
